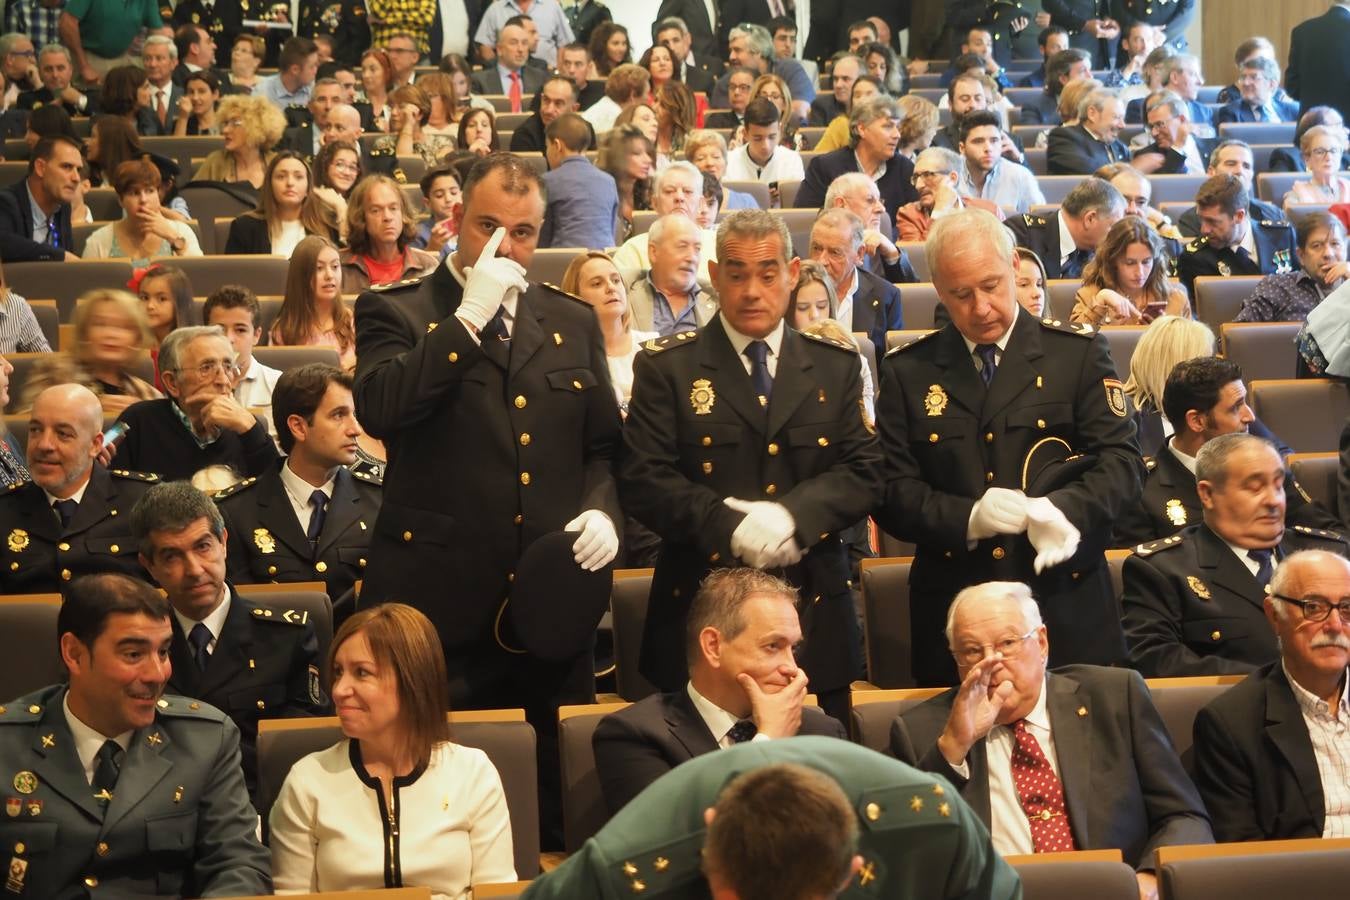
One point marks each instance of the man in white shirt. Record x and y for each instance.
(744, 684)
(762, 157)
(1076, 759)
(1272, 752)
(867, 303)
(677, 189)
(236, 310)
(159, 56)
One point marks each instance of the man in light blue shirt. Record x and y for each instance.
(296, 68)
(985, 174)
(548, 17)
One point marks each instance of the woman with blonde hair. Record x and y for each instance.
(813, 306)
(1322, 147)
(251, 127)
(1126, 283)
(441, 126)
(409, 108)
(775, 90)
(593, 277)
(1168, 340)
(312, 313)
(111, 335)
(396, 801)
(707, 150)
(918, 127)
(246, 55)
(381, 224)
(288, 209)
(676, 113)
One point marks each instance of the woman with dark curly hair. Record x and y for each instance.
(609, 48)
(338, 166)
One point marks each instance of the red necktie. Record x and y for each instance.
(160, 109)
(514, 93)
(1041, 794)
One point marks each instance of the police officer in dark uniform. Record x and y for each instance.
(114, 788)
(493, 398)
(345, 21)
(1193, 601)
(71, 518)
(250, 660)
(311, 517)
(1172, 15)
(1087, 214)
(1078, 17)
(1009, 452)
(222, 19)
(763, 460)
(1231, 242)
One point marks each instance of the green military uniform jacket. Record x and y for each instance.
(918, 838)
(179, 823)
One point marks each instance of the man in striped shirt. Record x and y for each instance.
(19, 328)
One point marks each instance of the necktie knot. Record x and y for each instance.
(742, 731)
(988, 361)
(1040, 793)
(1073, 267)
(65, 509)
(514, 91)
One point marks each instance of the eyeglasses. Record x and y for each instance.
(346, 167)
(925, 176)
(1010, 648)
(27, 54)
(738, 88)
(1159, 126)
(1322, 152)
(1318, 610)
(232, 123)
(209, 368)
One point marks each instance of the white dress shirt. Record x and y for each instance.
(88, 741)
(718, 720)
(1001, 343)
(740, 341)
(1329, 731)
(78, 496)
(214, 622)
(508, 302)
(1066, 241)
(844, 314)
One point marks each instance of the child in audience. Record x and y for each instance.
(443, 193)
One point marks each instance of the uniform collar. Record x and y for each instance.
(88, 741)
(215, 622)
(78, 496)
(740, 341)
(300, 489)
(1001, 343)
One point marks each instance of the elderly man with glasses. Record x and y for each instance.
(1271, 752)
(937, 171)
(200, 423)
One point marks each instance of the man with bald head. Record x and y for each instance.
(71, 518)
(1270, 752)
(344, 124)
(1072, 759)
(965, 413)
(676, 189)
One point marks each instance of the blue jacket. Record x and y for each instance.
(1240, 111)
(583, 204)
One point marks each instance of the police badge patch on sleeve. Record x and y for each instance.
(315, 687)
(1115, 397)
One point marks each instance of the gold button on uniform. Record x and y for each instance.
(1040, 423)
(707, 440)
(1214, 636)
(932, 439)
(988, 477)
(19, 847)
(524, 439)
(454, 357)
(524, 477)
(271, 570)
(823, 441)
(321, 567)
(407, 536)
(988, 437)
(576, 384)
(998, 553)
(715, 557)
(115, 549)
(520, 401)
(65, 574)
(63, 547)
(771, 489)
(872, 811)
(519, 518)
(90, 881)
(102, 849)
(361, 563)
(262, 705)
(773, 449)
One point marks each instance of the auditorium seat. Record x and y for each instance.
(23, 364)
(1318, 473)
(890, 545)
(49, 320)
(287, 358)
(1218, 299)
(1099, 879)
(1319, 867)
(1059, 298)
(1285, 406)
(628, 608)
(904, 336)
(918, 257)
(583, 806)
(183, 150)
(1296, 211)
(260, 273)
(869, 354)
(871, 713)
(31, 660)
(757, 189)
(414, 167)
(12, 171)
(787, 193)
(512, 891)
(1036, 161)
(1264, 350)
(1272, 186)
(1261, 156)
(918, 302)
(1115, 563)
(303, 600)
(103, 204)
(1279, 133)
(1178, 700)
(63, 282)
(220, 234)
(1122, 339)
(887, 640)
(207, 203)
(503, 734)
(406, 893)
(1176, 188)
(549, 265)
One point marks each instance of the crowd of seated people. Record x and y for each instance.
(338, 230)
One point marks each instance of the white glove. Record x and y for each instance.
(488, 282)
(1054, 536)
(999, 511)
(789, 554)
(760, 538)
(598, 544)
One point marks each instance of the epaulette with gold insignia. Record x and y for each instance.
(382, 151)
(400, 285)
(1153, 547)
(14, 486)
(1033, 221)
(366, 476)
(1198, 244)
(234, 489)
(656, 345)
(19, 713)
(660, 871)
(1082, 329)
(148, 477)
(829, 342)
(1320, 533)
(282, 616)
(560, 292)
(913, 342)
(178, 707)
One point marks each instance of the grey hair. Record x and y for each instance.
(1283, 580)
(845, 184)
(757, 36)
(172, 347)
(989, 592)
(1095, 100)
(954, 233)
(662, 223)
(945, 159)
(753, 223)
(172, 506)
(1179, 62)
(7, 41)
(1169, 99)
(1211, 463)
(684, 166)
(867, 112)
(670, 22)
(1267, 66)
(1091, 194)
(843, 218)
(56, 48)
(161, 40)
(1217, 153)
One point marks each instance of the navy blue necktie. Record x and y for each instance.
(200, 638)
(986, 354)
(760, 379)
(1265, 568)
(496, 326)
(53, 232)
(66, 510)
(106, 771)
(742, 731)
(318, 501)
(1073, 267)
(1244, 254)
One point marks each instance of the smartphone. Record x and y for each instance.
(113, 436)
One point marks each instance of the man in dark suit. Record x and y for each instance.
(196, 52)
(827, 107)
(1173, 18)
(1319, 71)
(867, 303)
(56, 70)
(964, 415)
(998, 736)
(1176, 150)
(1258, 80)
(513, 52)
(719, 463)
(222, 21)
(1094, 142)
(557, 96)
(472, 9)
(310, 517)
(874, 127)
(703, 32)
(1084, 218)
(1090, 26)
(450, 371)
(1232, 157)
(1231, 242)
(158, 57)
(696, 69)
(573, 61)
(740, 79)
(1193, 601)
(307, 139)
(1202, 399)
(744, 683)
(248, 660)
(35, 211)
(1256, 764)
(65, 522)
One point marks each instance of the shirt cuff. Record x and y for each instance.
(963, 769)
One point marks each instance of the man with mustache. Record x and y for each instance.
(250, 660)
(874, 138)
(1269, 750)
(1193, 600)
(118, 788)
(65, 521)
(310, 516)
(669, 298)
